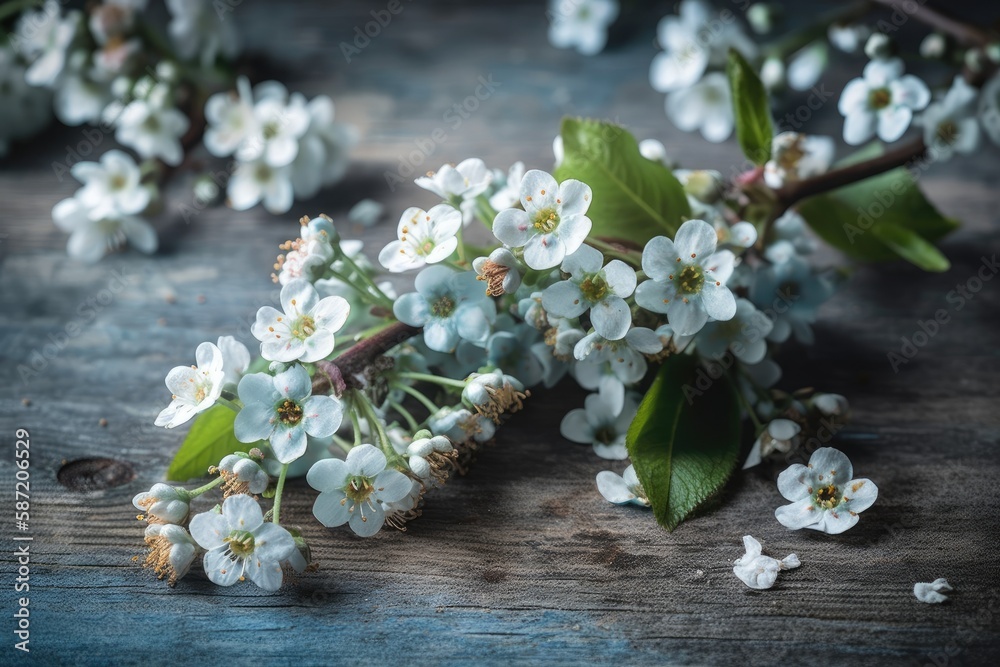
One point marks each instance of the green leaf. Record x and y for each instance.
(210, 438)
(685, 439)
(754, 129)
(912, 247)
(635, 199)
(848, 217)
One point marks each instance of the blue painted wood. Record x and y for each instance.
(521, 561)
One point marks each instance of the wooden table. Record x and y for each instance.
(521, 561)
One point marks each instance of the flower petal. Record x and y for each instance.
(366, 460)
(242, 512)
(221, 568)
(801, 514)
(332, 509)
(830, 466)
(328, 475)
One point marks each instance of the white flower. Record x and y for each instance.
(164, 504)
(460, 185)
(772, 73)
(254, 182)
(795, 157)
(91, 239)
(450, 306)
(235, 359)
(509, 195)
(194, 388)
(494, 393)
(950, 125)
(553, 223)
(780, 437)
(557, 149)
(706, 106)
(79, 100)
(111, 187)
(283, 411)
(279, 120)
(309, 256)
(623, 359)
(171, 551)
(501, 271)
(932, 593)
(230, 119)
(598, 424)
(878, 46)
(240, 542)
(323, 149)
(355, 490)
(882, 101)
(461, 425)
(244, 474)
(44, 37)
(198, 29)
(622, 489)
(688, 278)
(425, 237)
(744, 335)
(757, 570)
(305, 330)
(742, 235)
(153, 131)
(581, 24)
(691, 42)
(824, 496)
(601, 290)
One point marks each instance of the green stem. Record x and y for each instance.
(276, 512)
(376, 290)
(376, 426)
(485, 212)
(406, 414)
(194, 493)
(355, 422)
(426, 377)
(231, 404)
(614, 252)
(376, 298)
(426, 402)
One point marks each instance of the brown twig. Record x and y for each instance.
(335, 374)
(966, 33)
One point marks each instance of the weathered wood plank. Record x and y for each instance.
(521, 561)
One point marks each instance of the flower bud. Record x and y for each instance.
(164, 504)
(878, 46)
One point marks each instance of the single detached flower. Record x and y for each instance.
(283, 411)
(757, 570)
(688, 278)
(354, 490)
(881, 102)
(581, 24)
(622, 489)
(553, 223)
(932, 593)
(304, 331)
(425, 237)
(601, 290)
(795, 157)
(194, 388)
(501, 271)
(163, 504)
(450, 305)
(171, 551)
(824, 494)
(240, 542)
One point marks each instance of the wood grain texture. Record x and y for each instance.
(521, 561)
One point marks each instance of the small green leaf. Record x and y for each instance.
(754, 129)
(912, 247)
(845, 217)
(210, 438)
(634, 198)
(685, 439)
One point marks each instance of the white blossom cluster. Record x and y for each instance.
(107, 70)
